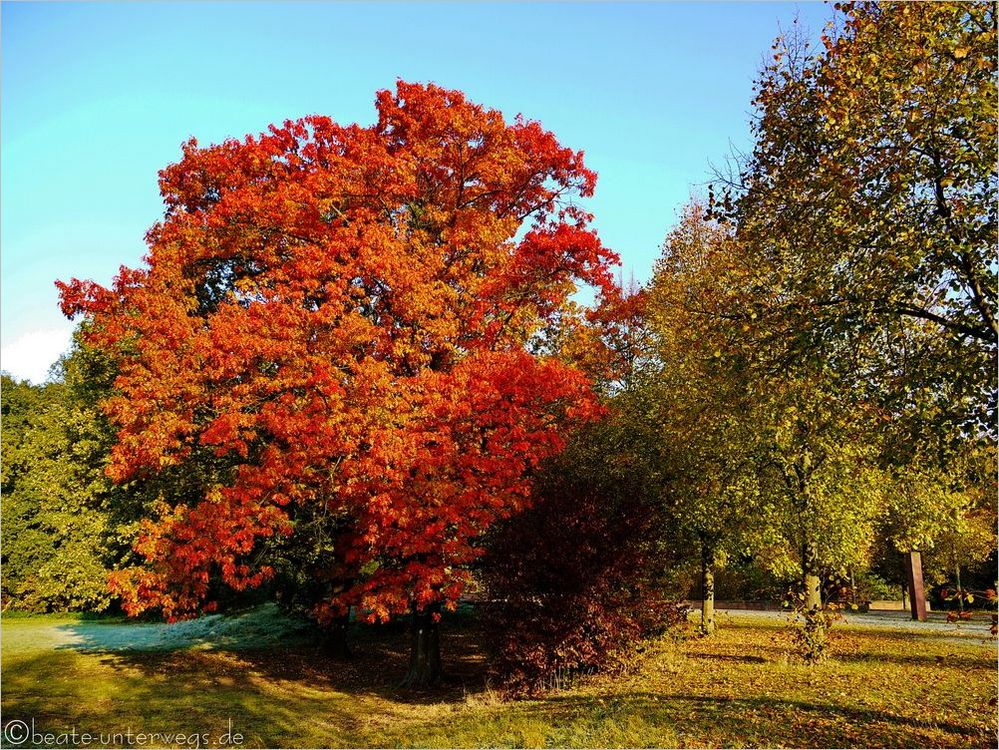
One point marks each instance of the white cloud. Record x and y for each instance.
(30, 355)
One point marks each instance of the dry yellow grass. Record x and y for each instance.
(882, 688)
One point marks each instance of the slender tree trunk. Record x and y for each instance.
(813, 584)
(707, 589)
(960, 590)
(424, 649)
(905, 578)
(336, 637)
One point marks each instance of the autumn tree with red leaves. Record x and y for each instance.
(332, 330)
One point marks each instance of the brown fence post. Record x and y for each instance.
(917, 597)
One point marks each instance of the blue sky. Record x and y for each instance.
(96, 98)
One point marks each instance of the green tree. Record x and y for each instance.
(949, 515)
(776, 460)
(824, 482)
(54, 506)
(870, 198)
(694, 404)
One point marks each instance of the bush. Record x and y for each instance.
(871, 587)
(572, 583)
(745, 579)
(810, 627)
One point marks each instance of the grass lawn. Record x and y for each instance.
(887, 688)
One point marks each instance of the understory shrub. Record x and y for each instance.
(573, 583)
(810, 627)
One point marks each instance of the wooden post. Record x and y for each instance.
(917, 597)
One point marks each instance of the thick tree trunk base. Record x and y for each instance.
(335, 642)
(424, 650)
(707, 618)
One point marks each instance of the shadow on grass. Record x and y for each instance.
(960, 661)
(278, 694)
(742, 658)
(278, 648)
(647, 719)
(280, 688)
(968, 632)
(187, 693)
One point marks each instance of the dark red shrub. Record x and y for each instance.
(574, 581)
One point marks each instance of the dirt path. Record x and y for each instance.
(936, 625)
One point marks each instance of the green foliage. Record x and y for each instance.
(692, 402)
(54, 507)
(868, 206)
(949, 512)
(825, 486)
(869, 587)
(65, 524)
(856, 282)
(780, 464)
(692, 398)
(744, 579)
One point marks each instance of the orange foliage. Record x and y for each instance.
(337, 317)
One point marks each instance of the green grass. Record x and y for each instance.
(279, 688)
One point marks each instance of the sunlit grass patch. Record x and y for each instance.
(741, 688)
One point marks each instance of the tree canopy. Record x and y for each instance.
(332, 327)
(869, 204)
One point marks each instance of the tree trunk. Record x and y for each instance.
(707, 589)
(424, 649)
(813, 584)
(336, 637)
(960, 591)
(905, 577)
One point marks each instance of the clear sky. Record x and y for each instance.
(96, 98)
